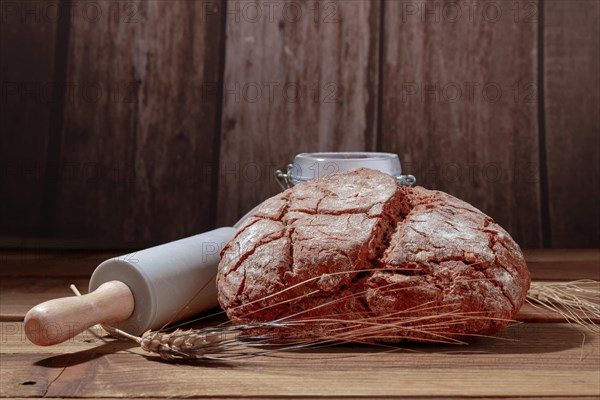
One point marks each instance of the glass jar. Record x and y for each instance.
(315, 165)
(308, 166)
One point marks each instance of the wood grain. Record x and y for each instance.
(60, 264)
(120, 143)
(27, 78)
(18, 295)
(459, 105)
(302, 81)
(572, 101)
(516, 339)
(358, 397)
(111, 302)
(543, 264)
(563, 264)
(21, 286)
(137, 145)
(522, 338)
(534, 360)
(546, 360)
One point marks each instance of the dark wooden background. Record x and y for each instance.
(127, 123)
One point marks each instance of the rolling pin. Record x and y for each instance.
(139, 291)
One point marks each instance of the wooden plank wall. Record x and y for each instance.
(169, 118)
(304, 80)
(572, 120)
(27, 69)
(134, 153)
(137, 141)
(452, 108)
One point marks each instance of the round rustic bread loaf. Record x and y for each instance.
(355, 256)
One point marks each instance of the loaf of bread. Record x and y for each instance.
(356, 257)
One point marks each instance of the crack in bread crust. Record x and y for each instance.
(357, 245)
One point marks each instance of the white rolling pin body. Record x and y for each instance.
(169, 282)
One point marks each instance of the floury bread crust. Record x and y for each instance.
(357, 246)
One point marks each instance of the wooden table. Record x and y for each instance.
(543, 356)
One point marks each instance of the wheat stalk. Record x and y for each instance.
(576, 301)
(238, 341)
(227, 341)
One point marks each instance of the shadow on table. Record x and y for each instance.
(516, 339)
(70, 359)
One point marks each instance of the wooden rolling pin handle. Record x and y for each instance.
(57, 320)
